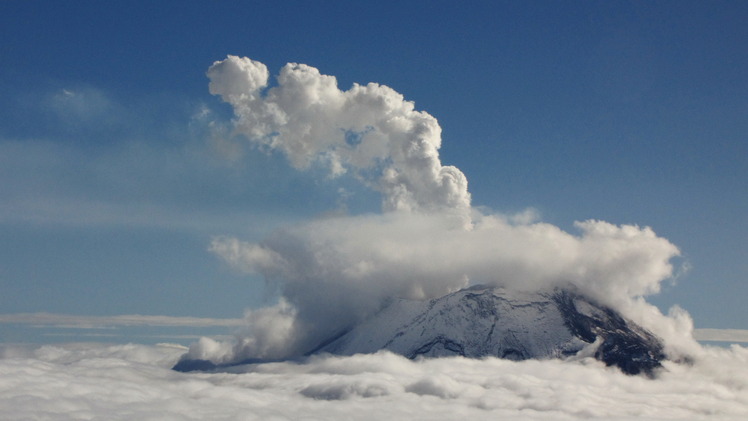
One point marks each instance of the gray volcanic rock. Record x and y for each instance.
(489, 321)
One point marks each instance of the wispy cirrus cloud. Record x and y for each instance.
(721, 335)
(138, 320)
(103, 322)
(178, 170)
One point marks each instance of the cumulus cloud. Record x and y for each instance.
(124, 382)
(428, 241)
(336, 271)
(266, 333)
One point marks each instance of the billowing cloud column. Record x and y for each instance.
(371, 131)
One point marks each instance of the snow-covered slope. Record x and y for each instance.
(483, 321)
(490, 321)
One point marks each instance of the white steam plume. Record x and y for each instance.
(333, 272)
(370, 130)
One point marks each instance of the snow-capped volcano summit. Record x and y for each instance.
(491, 321)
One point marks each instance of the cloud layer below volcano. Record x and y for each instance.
(124, 382)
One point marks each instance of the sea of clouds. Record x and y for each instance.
(135, 382)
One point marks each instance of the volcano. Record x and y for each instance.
(485, 321)
(495, 322)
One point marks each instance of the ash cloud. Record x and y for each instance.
(370, 131)
(427, 241)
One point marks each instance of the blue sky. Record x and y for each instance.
(113, 184)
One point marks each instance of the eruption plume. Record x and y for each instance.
(428, 240)
(369, 130)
